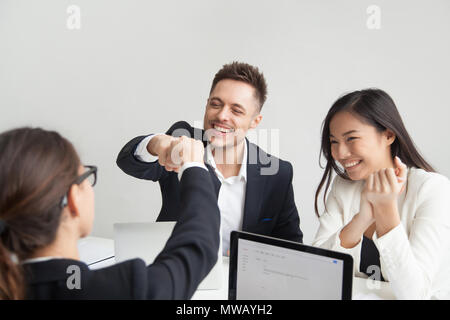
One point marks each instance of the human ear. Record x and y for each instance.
(255, 122)
(389, 135)
(74, 200)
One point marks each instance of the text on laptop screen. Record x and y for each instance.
(269, 272)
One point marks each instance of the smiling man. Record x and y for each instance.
(250, 197)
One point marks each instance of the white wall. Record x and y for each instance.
(135, 67)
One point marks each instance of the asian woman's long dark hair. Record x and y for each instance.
(37, 168)
(376, 108)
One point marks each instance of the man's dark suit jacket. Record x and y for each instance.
(189, 254)
(269, 200)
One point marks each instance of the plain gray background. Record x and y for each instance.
(136, 67)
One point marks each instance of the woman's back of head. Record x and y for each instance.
(37, 168)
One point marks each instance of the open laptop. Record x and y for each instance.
(267, 268)
(146, 240)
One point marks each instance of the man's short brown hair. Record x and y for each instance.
(246, 73)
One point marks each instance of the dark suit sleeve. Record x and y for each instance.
(152, 170)
(288, 224)
(191, 251)
(136, 168)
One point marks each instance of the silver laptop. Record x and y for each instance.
(146, 240)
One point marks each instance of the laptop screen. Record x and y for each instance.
(277, 269)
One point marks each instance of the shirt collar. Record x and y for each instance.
(209, 159)
(40, 259)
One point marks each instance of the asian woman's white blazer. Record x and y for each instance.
(415, 255)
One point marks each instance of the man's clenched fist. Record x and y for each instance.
(174, 152)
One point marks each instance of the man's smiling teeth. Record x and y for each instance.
(222, 129)
(351, 164)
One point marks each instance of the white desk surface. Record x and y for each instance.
(96, 252)
(99, 253)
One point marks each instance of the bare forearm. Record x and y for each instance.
(351, 234)
(386, 217)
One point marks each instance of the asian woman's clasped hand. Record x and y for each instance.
(383, 187)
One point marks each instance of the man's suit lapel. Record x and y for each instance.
(254, 189)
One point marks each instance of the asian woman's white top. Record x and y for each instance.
(415, 255)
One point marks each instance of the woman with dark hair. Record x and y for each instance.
(47, 204)
(386, 207)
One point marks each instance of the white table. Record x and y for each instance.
(99, 252)
(96, 252)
